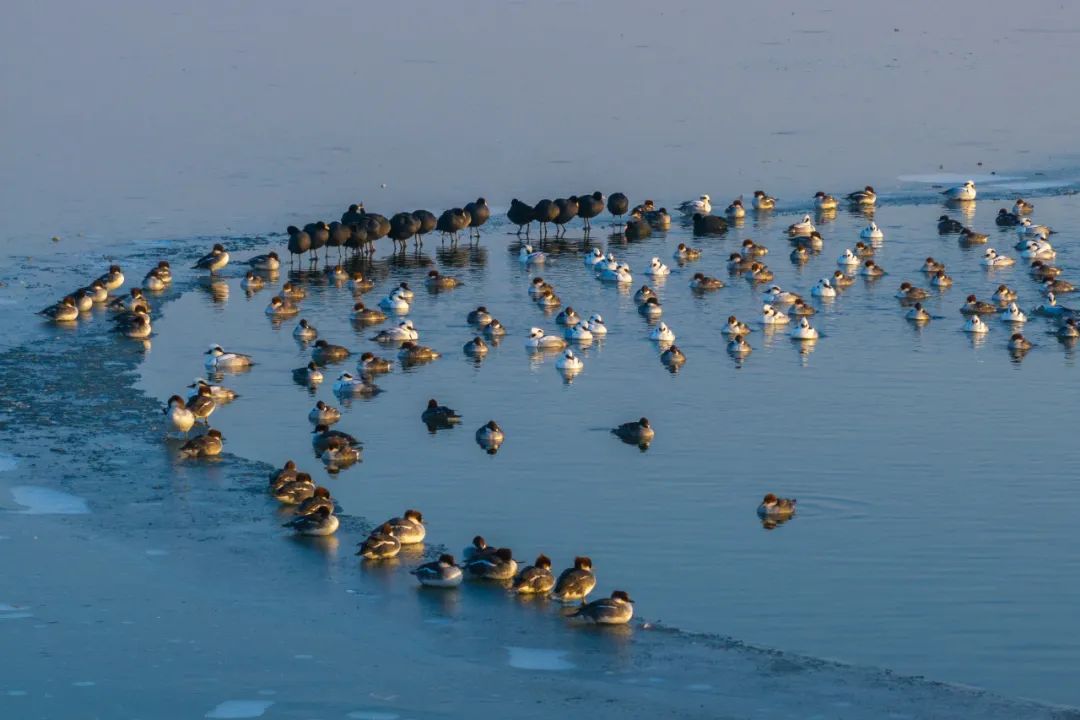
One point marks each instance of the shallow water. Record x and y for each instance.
(922, 459)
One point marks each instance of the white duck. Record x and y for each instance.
(621, 275)
(395, 302)
(404, 330)
(702, 205)
(528, 257)
(976, 326)
(848, 258)
(218, 359)
(596, 325)
(569, 362)
(871, 232)
(803, 331)
(1038, 250)
(593, 257)
(779, 296)
(1026, 228)
(823, 289)
(662, 334)
(991, 258)
(961, 192)
(578, 333)
(803, 227)
(772, 316)
(346, 384)
(537, 339)
(657, 268)
(1013, 314)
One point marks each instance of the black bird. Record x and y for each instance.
(377, 227)
(589, 206)
(428, 221)
(617, 205)
(638, 433)
(438, 416)
(357, 236)
(299, 241)
(339, 235)
(637, 229)
(709, 224)
(545, 211)
(479, 212)
(403, 226)
(320, 235)
(1004, 218)
(353, 215)
(568, 210)
(946, 224)
(521, 215)
(451, 222)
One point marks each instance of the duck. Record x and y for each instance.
(908, 291)
(323, 414)
(799, 254)
(268, 262)
(863, 197)
(499, 565)
(672, 356)
(320, 523)
(863, 250)
(970, 237)
(494, 329)
(1019, 343)
(575, 584)
(64, 311)
(596, 325)
(961, 192)
(154, 282)
(480, 316)
(1069, 329)
(1038, 249)
(528, 256)
(320, 499)
(208, 445)
(490, 436)
(823, 289)
(772, 316)
(657, 268)
(685, 253)
(569, 362)
(734, 328)
(218, 359)
(871, 269)
(441, 573)
(362, 314)
(803, 227)
(638, 432)
(643, 293)
(294, 491)
(621, 275)
(322, 437)
(932, 266)
(568, 317)
(991, 258)
(538, 340)
(134, 298)
(705, 224)
(548, 299)
(412, 353)
(409, 528)
(202, 406)
(98, 293)
(381, 544)
(213, 261)
(395, 302)
(976, 326)
(347, 385)
(1007, 219)
(812, 241)
(650, 308)
(286, 473)
(372, 364)
(703, 206)
(403, 331)
(609, 262)
(180, 417)
(848, 258)
(136, 326)
(760, 273)
(1013, 314)
(1058, 286)
(616, 610)
(292, 291)
(738, 264)
(1050, 308)
(735, 209)
(1022, 207)
(941, 280)
(701, 281)
(279, 307)
(337, 274)
(252, 282)
(738, 346)
(578, 333)
(593, 257)
(113, 279)
(475, 347)
(799, 308)
(974, 306)
(823, 201)
(220, 393)
(1003, 294)
(662, 334)
(659, 219)
(1042, 272)
(917, 313)
(773, 506)
(803, 330)
(164, 271)
(436, 414)
(359, 284)
(324, 352)
(1026, 228)
(778, 296)
(763, 201)
(871, 232)
(535, 579)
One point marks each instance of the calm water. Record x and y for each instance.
(933, 533)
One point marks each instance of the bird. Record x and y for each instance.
(1022, 207)
(538, 340)
(320, 523)
(589, 206)
(346, 385)
(411, 353)
(705, 224)
(616, 610)
(409, 528)
(848, 258)
(650, 308)
(734, 327)
(310, 374)
(63, 311)
(437, 281)
(569, 362)
(803, 227)
(535, 579)
(476, 347)
(208, 445)
(202, 405)
(286, 473)
(617, 205)
(824, 202)
(773, 506)
(181, 418)
(364, 315)
(735, 209)
(267, 262)
(1005, 218)
(871, 232)
(324, 352)
(970, 237)
(490, 437)
(639, 432)
(218, 359)
(528, 256)
(381, 544)
(404, 330)
(662, 333)
(974, 306)
(252, 282)
(441, 573)
(499, 565)
(595, 325)
(323, 414)
(360, 284)
(685, 253)
(568, 210)
(521, 214)
(701, 281)
(1019, 343)
(961, 192)
(213, 261)
(657, 268)
(908, 291)
(395, 302)
(220, 393)
(917, 313)
(702, 205)
(575, 583)
(439, 415)
(1013, 314)
(673, 357)
(478, 212)
(803, 330)
(371, 364)
(294, 490)
(763, 201)
(864, 197)
(976, 326)
(280, 308)
(545, 212)
(738, 346)
(947, 224)
(568, 317)
(991, 258)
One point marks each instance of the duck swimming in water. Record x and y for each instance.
(803, 227)
(1038, 249)
(364, 315)
(323, 414)
(528, 256)
(490, 436)
(476, 347)
(359, 284)
(976, 326)
(575, 584)
(1022, 207)
(1013, 314)
(825, 202)
(848, 258)
(440, 282)
(772, 316)
(974, 306)
(773, 506)
(941, 280)
(346, 385)
(685, 253)
(871, 232)
(823, 289)
(410, 352)
(799, 308)
(1069, 330)
(750, 249)
(404, 330)
(991, 258)
(578, 333)
(705, 224)
(702, 205)
(280, 308)
(494, 329)
(252, 282)
(1043, 272)
(918, 314)
(1006, 219)
(738, 346)
(1003, 294)
(538, 340)
(479, 317)
(310, 374)
(763, 201)
(569, 362)
(703, 282)
(395, 302)
(213, 261)
(662, 334)
(871, 269)
(803, 330)
(864, 197)
(218, 359)
(735, 209)
(970, 237)
(961, 192)
(908, 291)
(650, 308)
(596, 326)
(733, 327)
(1057, 286)
(932, 266)
(1019, 343)
(639, 432)
(778, 296)
(673, 357)
(442, 573)
(657, 268)
(439, 415)
(291, 291)
(372, 364)
(568, 317)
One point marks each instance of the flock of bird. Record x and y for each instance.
(358, 230)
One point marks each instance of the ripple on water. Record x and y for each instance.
(240, 709)
(7, 462)
(525, 658)
(46, 501)
(372, 715)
